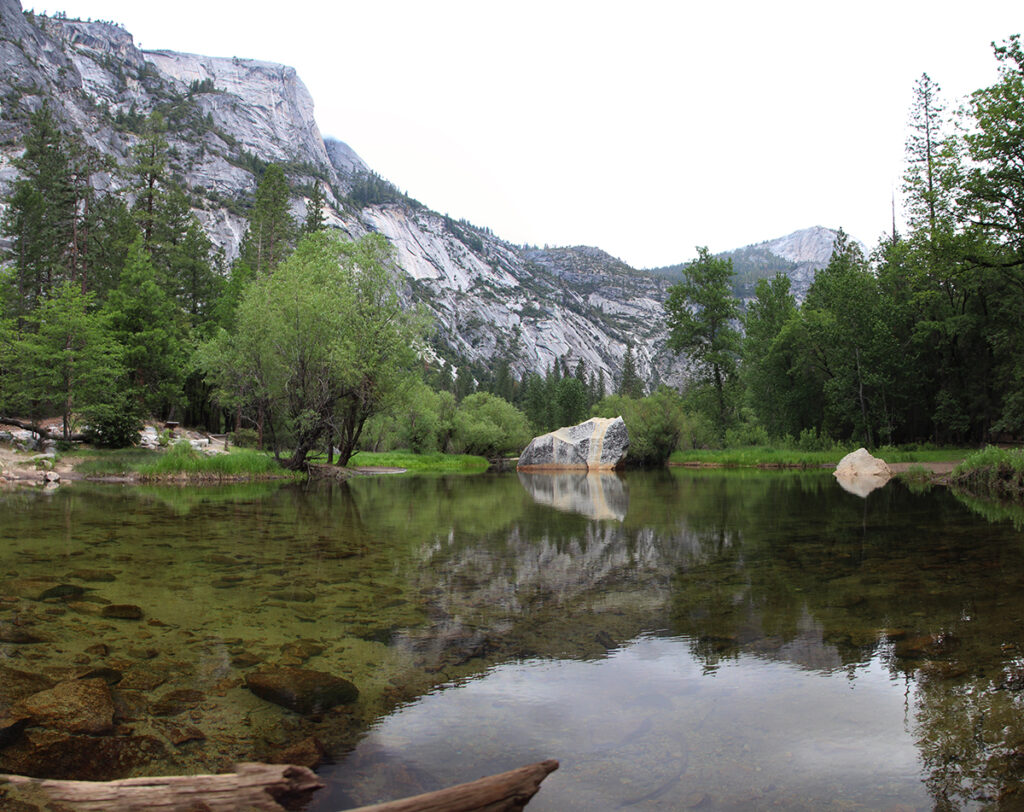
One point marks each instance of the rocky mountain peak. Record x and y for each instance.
(813, 245)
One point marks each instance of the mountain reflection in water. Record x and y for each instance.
(731, 640)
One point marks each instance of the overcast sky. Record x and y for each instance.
(644, 128)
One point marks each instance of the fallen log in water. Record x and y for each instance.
(505, 792)
(258, 787)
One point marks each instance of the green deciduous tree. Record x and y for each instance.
(490, 426)
(702, 316)
(323, 340)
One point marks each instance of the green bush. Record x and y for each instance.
(657, 424)
(244, 438)
(113, 425)
(489, 426)
(747, 434)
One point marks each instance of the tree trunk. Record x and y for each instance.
(863, 404)
(505, 792)
(252, 786)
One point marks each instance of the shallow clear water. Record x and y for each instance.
(678, 639)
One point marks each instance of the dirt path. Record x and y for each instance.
(933, 467)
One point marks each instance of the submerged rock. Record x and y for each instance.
(122, 611)
(44, 753)
(79, 706)
(300, 689)
(598, 444)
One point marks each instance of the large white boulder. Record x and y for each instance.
(599, 444)
(860, 473)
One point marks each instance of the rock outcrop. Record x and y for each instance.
(599, 444)
(861, 473)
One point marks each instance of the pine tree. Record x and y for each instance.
(315, 219)
(149, 174)
(149, 326)
(69, 362)
(271, 233)
(630, 384)
(42, 214)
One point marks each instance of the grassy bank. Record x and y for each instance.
(181, 460)
(436, 463)
(992, 472)
(769, 456)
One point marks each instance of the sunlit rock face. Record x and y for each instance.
(594, 495)
(860, 473)
(599, 444)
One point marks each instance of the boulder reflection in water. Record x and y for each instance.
(594, 495)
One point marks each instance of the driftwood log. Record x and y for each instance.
(505, 792)
(257, 787)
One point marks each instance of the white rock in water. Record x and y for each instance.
(598, 444)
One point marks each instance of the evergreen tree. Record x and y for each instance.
(69, 362)
(149, 175)
(42, 214)
(315, 220)
(630, 384)
(150, 328)
(272, 232)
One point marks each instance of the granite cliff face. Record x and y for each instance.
(227, 116)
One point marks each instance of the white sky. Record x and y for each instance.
(644, 128)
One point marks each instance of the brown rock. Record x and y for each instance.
(306, 753)
(178, 701)
(142, 678)
(80, 706)
(15, 685)
(44, 753)
(179, 732)
(21, 634)
(122, 611)
(302, 649)
(301, 690)
(246, 660)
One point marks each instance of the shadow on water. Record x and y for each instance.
(677, 638)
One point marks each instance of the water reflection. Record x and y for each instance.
(722, 621)
(596, 495)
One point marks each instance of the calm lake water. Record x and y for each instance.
(677, 639)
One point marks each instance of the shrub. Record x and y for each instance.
(244, 438)
(113, 425)
(488, 426)
(657, 424)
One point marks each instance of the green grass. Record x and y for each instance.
(995, 472)
(239, 462)
(110, 462)
(420, 463)
(787, 457)
(918, 479)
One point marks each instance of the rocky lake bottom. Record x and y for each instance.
(677, 639)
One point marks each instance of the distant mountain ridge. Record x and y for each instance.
(798, 255)
(228, 117)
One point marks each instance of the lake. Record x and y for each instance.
(676, 639)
